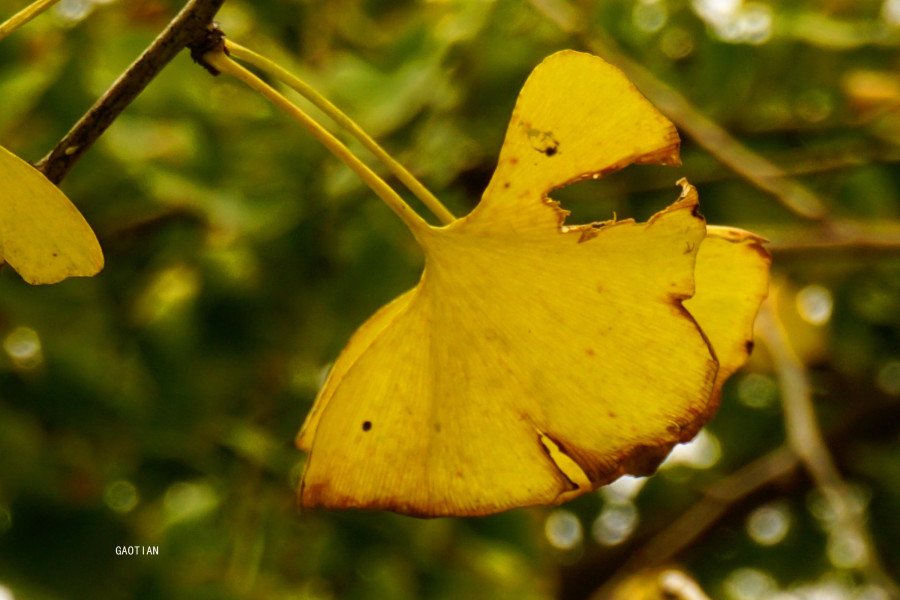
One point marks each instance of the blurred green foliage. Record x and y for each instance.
(156, 404)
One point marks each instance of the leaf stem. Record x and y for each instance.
(23, 16)
(305, 90)
(221, 62)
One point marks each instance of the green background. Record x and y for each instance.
(156, 404)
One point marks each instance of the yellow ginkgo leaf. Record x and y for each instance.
(42, 235)
(536, 361)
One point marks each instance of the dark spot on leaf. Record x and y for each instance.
(542, 141)
(506, 185)
(611, 414)
(54, 254)
(749, 345)
(690, 247)
(367, 425)
(514, 161)
(590, 351)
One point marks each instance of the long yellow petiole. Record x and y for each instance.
(221, 62)
(25, 15)
(399, 171)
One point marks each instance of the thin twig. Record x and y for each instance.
(187, 28)
(834, 235)
(806, 440)
(670, 102)
(717, 499)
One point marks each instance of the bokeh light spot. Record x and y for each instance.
(121, 496)
(755, 23)
(615, 524)
(814, 304)
(870, 592)
(649, 16)
(846, 550)
(24, 347)
(623, 489)
(700, 453)
(735, 22)
(769, 524)
(676, 43)
(757, 390)
(170, 289)
(749, 584)
(563, 529)
(71, 12)
(889, 378)
(890, 12)
(187, 501)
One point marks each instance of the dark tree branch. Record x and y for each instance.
(189, 27)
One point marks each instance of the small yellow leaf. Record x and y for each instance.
(534, 361)
(42, 235)
(732, 278)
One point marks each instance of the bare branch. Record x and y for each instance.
(189, 27)
(842, 235)
(806, 440)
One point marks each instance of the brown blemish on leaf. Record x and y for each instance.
(367, 425)
(669, 155)
(542, 141)
(590, 352)
(644, 460)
